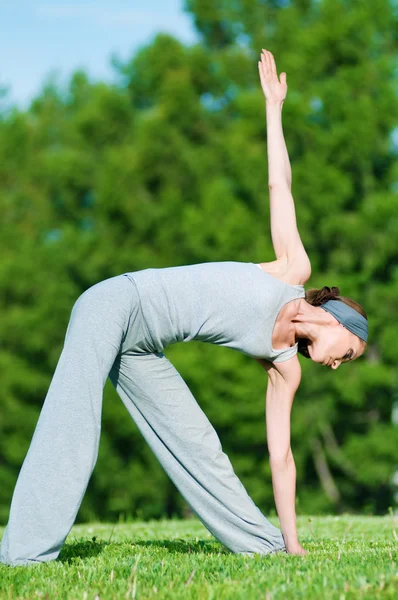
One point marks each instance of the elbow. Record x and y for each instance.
(279, 461)
(279, 465)
(278, 183)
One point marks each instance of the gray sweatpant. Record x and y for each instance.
(107, 336)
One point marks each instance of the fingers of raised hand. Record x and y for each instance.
(268, 63)
(265, 66)
(272, 62)
(261, 71)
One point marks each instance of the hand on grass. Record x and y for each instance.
(274, 90)
(296, 548)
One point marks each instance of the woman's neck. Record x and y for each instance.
(308, 320)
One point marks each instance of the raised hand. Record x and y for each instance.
(275, 90)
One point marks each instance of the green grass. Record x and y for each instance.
(349, 558)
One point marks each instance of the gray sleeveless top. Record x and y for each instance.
(229, 303)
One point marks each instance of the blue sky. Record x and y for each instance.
(38, 38)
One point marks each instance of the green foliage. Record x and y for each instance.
(168, 167)
(348, 557)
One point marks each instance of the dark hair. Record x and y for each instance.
(317, 298)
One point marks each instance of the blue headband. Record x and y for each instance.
(349, 317)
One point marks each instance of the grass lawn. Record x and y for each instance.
(350, 557)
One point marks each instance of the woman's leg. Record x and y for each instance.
(189, 450)
(64, 448)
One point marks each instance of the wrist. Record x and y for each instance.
(291, 539)
(274, 105)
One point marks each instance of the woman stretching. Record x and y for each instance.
(119, 328)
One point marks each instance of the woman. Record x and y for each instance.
(119, 328)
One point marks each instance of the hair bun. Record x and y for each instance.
(335, 291)
(319, 297)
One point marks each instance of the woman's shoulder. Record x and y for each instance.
(287, 272)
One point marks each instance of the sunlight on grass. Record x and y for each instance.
(349, 557)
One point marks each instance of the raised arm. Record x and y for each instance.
(279, 169)
(284, 232)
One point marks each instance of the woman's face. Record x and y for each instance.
(334, 346)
